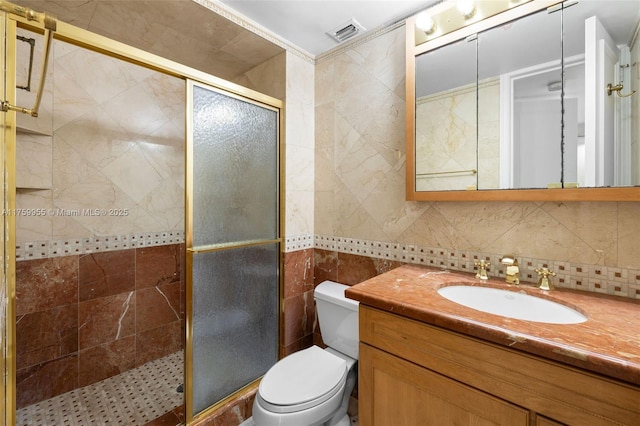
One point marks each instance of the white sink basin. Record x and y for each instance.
(512, 304)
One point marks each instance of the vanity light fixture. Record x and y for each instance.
(467, 8)
(450, 15)
(425, 22)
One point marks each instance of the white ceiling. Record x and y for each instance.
(304, 23)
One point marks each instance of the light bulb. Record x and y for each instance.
(424, 21)
(466, 7)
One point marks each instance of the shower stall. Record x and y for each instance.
(142, 229)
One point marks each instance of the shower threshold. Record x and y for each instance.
(133, 398)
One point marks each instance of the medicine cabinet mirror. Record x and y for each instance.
(530, 100)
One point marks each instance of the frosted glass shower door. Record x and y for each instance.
(233, 244)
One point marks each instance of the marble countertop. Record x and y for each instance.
(608, 343)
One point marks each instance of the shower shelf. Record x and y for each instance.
(25, 130)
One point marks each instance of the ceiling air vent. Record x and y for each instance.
(346, 31)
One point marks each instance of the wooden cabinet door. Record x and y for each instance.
(543, 421)
(397, 392)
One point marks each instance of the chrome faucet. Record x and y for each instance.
(482, 269)
(513, 270)
(544, 283)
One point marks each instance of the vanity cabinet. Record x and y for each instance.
(413, 373)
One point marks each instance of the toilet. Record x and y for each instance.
(313, 386)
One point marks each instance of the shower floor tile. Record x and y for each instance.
(133, 398)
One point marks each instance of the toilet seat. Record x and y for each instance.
(302, 380)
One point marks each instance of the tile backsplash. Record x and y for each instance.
(595, 278)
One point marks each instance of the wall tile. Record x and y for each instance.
(107, 360)
(158, 265)
(156, 306)
(298, 272)
(158, 342)
(106, 319)
(46, 335)
(299, 317)
(325, 265)
(628, 240)
(46, 380)
(46, 283)
(106, 274)
(233, 413)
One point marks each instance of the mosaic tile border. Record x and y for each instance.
(58, 248)
(595, 278)
(300, 242)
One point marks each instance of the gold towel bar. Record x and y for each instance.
(472, 171)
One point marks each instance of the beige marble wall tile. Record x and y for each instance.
(71, 100)
(34, 228)
(383, 58)
(300, 168)
(388, 209)
(433, 229)
(299, 147)
(299, 214)
(543, 237)
(483, 223)
(101, 76)
(325, 87)
(34, 161)
(118, 145)
(300, 80)
(628, 235)
(133, 166)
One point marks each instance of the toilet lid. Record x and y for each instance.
(302, 377)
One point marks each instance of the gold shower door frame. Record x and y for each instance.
(86, 39)
(8, 246)
(194, 250)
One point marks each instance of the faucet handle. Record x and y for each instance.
(512, 272)
(482, 269)
(544, 283)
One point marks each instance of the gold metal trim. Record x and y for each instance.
(188, 347)
(8, 153)
(451, 172)
(188, 216)
(49, 25)
(192, 251)
(226, 246)
(77, 36)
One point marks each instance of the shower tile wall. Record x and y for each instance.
(84, 318)
(103, 161)
(110, 140)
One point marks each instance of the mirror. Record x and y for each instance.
(508, 103)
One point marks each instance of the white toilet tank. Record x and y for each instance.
(338, 318)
